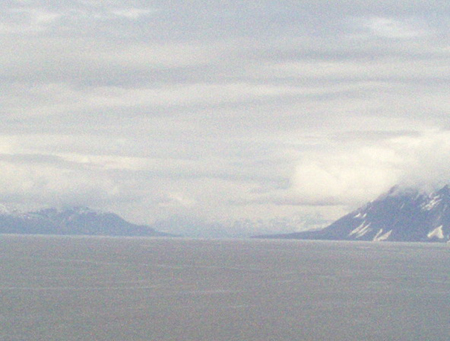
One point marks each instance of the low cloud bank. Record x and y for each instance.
(356, 174)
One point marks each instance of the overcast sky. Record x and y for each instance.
(222, 110)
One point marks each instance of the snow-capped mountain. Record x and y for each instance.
(406, 215)
(71, 221)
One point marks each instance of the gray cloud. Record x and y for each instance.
(221, 111)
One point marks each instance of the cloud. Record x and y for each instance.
(221, 111)
(393, 28)
(426, 159)
(50, 184)
(28, 20)
(356, 174)
(132, 13)
(346, 177)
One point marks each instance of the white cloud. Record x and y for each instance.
(51, 184)
(425, 159)
(132, 13)
(393, 28)
(345, 177)
(355, 174)
(210, 110)
(28, 21)
(345, 70)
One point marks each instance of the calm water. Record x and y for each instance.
(57, 288)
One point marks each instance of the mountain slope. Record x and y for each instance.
(72, 221)
(405, 215)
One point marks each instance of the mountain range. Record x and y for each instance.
(71, 221)
(400, 215)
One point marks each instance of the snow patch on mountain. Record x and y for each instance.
(360, 215)
(432, 203)
(436, 233)
(361, 230)
(4, 210)
(380, 236)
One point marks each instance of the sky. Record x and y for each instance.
(242, 116)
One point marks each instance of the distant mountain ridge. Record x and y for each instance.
(402, 215)
(71, 221)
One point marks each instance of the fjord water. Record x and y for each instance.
(76, 288)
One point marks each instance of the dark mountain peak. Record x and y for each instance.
(76, 220)
(401, 214)
(400, 193)
(444, 191)
(394, 191)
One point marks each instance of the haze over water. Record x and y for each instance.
(76, 288)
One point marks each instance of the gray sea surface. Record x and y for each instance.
(87, 288)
